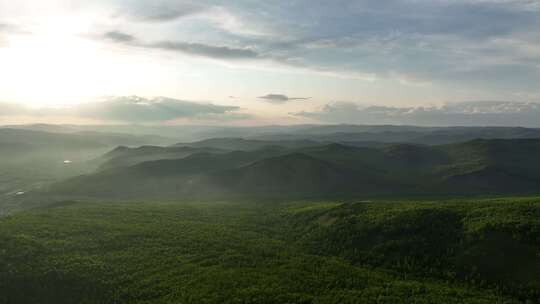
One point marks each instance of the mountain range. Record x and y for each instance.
(481, 166)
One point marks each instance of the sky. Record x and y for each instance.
(246, 62)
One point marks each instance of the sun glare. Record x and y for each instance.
(57, 63)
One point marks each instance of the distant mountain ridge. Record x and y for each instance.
(435, 136)
(321, 133)
(123, 156)
(242, 144)
(351, 160)
(76, 140)
(499, 166)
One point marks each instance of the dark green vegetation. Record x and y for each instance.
(496, 166)
(484, 251)
(242, 239)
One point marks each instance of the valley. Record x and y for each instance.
(243, 220)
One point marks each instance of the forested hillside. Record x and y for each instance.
(496, 166)
(469, 251)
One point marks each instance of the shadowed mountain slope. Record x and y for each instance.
(479, 166)
(123, 156)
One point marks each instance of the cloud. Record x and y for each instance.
(280, 98)
(138, 109)
(133, 109)
(7, 28)
(4, 27)
(204, 50)
(479, 113)
(193, 49)
(226, 17)
(227, 53)
(159, 10)
(413, 42)
(462, 45)
(119, 36)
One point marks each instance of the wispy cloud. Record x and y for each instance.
(413, 42)
(138, 109)
(481, 113)
(280, 98)
(229, 53)
(448, 50)
(188, 48)
(205, 50)
(133, 109)
(119, 37)
(8, 28)
(4, 27)
(160, 11)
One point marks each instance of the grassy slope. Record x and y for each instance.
(245, 252)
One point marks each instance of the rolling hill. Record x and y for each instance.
(123, 156)
(478, 166)
(273, 251)
(294, 173)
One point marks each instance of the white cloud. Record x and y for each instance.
(131, 109)
(481, 113)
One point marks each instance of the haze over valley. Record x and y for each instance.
(309, 152)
